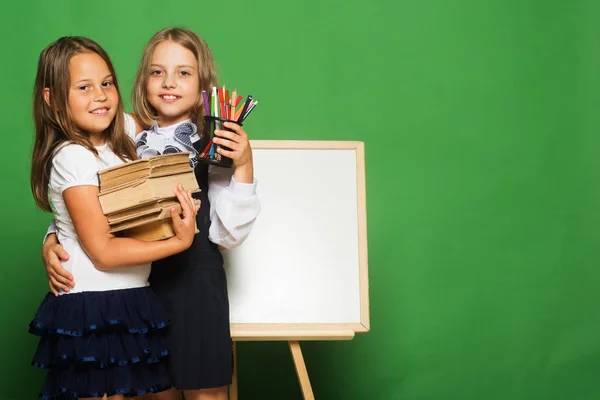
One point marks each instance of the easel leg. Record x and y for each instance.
(233, 389)
(307, 392)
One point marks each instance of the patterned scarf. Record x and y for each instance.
(152, 143)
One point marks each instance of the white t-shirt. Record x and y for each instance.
(74, 165)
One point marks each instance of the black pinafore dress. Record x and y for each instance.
(193, 288)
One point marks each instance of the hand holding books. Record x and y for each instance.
(136, 197)
(183, 218)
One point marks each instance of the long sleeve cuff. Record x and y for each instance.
(51, 229)
(242, 189)
(233, 212)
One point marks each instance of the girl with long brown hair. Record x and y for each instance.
(100, 339)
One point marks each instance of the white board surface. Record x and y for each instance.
(302, 262)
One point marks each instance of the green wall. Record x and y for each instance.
(480, 120)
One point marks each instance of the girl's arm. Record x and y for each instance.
(108, 251)
(234, 204)
(53, 253)
(74, 176)
(234, 207)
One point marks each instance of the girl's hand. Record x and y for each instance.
(240, 153)
(184, 227)
(58, 277)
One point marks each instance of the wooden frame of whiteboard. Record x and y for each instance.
(335, 331)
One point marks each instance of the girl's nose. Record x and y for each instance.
(169, 82)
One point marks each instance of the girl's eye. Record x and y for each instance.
(156, 72)
(84, 88)
(185, 73)
(107, 84)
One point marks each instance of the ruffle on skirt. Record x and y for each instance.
(131, 380)
(101, 342)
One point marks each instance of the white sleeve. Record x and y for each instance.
(73, 165)
(51, 229)
(130, 127)
(234, 207)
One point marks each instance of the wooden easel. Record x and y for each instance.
(301, 372)
(298, 358)
(304, 326)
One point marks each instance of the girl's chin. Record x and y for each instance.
(173, 115)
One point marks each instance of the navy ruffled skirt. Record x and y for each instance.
(94, 343)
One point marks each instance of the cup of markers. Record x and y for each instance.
(220, 108)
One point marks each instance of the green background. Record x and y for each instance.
(480, 120)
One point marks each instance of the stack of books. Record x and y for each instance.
(136, 197)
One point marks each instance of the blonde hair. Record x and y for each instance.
(142, 108)
(53, 124)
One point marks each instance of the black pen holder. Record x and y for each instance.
(209, 154)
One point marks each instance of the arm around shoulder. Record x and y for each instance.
(132, 125)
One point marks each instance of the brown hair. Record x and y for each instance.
(53, 125)
(142, 108)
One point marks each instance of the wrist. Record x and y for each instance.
(244, 173)
(178, 244)
(50, 239)
(48, 244)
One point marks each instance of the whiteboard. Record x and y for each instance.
(302, 272)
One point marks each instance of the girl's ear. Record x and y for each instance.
(47, 96)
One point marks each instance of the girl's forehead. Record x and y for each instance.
(87, 65)
(172, 51)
